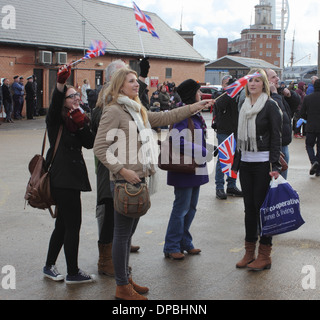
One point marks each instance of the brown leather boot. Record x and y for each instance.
(249, 255)
(127, 292)
(264, 260)
(138, 288)
(105, 265)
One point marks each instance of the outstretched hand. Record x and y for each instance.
(203, 104)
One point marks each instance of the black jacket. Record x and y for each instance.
(6, 94)
(269, 132)
(226, 110)
(310, 111)
(288, 107)
(68, 169)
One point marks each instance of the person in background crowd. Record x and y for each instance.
(288, 101)
(301, 91)
(121, 112)
(310, 112)
(84, 96)
(68, 177)
(35, 89)
(226, 123)
(30, 98)
(259, 144)
(164, 99)
(178, 238)
(7, 100)
(16, 88)
(310, 85)
(21, 83)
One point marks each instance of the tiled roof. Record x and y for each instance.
(59, 24)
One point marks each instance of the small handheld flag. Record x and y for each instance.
(233, 89)
(227, 150)
(97, 49)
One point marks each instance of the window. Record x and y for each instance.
(269, 45)
(268, 54)
(261, 45)
(168, 73)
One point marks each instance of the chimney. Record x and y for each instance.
(222, 47)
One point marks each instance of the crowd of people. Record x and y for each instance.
(260, 117)
(12, 98)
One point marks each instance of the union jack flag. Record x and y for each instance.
(227, 150)
(97, 49)
(144, 22)
(234, 88)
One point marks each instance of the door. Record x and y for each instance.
(38, 73)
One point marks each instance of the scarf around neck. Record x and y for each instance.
(247, 138)
(149, 149)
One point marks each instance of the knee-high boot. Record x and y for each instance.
(105, 265)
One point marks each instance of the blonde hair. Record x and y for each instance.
(264, 78)
(114, 90)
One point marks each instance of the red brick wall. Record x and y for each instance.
(22, 61)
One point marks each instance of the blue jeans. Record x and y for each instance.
(285, 150)
(231, 182)
(178, 236)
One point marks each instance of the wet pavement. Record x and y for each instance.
(218, 229)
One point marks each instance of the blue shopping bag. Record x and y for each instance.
(280, 211)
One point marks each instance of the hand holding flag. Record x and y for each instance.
(227, 150)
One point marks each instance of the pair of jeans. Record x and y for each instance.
(67, 228)
(178, 236)
(285, 151)
(220, 176)
(124, 229)
(255, 181)
(313, 139)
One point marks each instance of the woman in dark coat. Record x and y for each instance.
(68, 174)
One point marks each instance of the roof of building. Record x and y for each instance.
(59, 24)
(236, 62)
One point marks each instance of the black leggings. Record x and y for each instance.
(255, 181)
(67, 228)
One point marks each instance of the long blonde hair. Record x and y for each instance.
(114, 90)
(264, 78)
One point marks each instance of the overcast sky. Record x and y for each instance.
(213, 19)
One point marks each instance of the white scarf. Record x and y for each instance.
(149, 149)
(247, 138)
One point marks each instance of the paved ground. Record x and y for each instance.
(218, 230)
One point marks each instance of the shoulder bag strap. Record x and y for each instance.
(56, 145)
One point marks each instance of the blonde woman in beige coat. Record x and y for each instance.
(118, 147)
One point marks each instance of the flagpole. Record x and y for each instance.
(141, 43)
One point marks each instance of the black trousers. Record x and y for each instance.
(106, 221)
(67, 229)
(255, 181)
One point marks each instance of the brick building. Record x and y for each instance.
(260, 41)
(50, 34)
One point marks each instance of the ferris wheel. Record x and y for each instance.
(278, 6)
